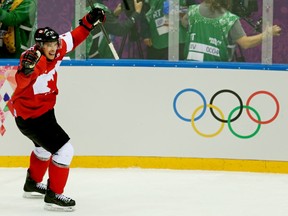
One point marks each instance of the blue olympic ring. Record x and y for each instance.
(189, 90)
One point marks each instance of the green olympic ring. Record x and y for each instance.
(242, 136)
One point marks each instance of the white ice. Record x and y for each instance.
(154, 192)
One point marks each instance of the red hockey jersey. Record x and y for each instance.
(36, 94)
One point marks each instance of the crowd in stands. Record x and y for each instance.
(209, 30)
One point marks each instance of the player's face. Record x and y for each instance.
(49, 49)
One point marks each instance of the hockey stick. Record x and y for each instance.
(110, 44)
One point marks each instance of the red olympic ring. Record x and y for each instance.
(277, 107)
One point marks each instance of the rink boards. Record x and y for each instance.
(158, 114)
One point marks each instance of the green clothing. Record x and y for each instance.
(159, 23)
(208, 38)
(23, 19)
(96, 45)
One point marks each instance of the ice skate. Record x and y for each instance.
(58, 202)
(33, 189)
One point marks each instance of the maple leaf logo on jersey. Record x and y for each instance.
(45, 83)
(52, 84)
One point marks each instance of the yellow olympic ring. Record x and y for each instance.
(195, 128)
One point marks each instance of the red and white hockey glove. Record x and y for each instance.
(95, 16)
(29, 60)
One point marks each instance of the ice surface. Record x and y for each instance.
(155, 192)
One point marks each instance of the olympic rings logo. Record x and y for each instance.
(221, 119)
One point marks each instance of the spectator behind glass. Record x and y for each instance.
(213, 32)
(97, 46)
(155, 31)
(17, 18)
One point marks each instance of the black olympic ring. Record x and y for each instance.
(228, 91)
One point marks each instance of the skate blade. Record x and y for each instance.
(54, 207)
(33, 195)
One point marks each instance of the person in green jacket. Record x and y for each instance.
(155, 30)
(17, 18)
(214, 32)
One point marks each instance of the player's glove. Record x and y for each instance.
(95, 16)
(29, 61)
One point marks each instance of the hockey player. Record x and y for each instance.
(33, 102)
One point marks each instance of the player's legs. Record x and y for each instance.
(47, 133)
(39, 162)
(58, 175)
